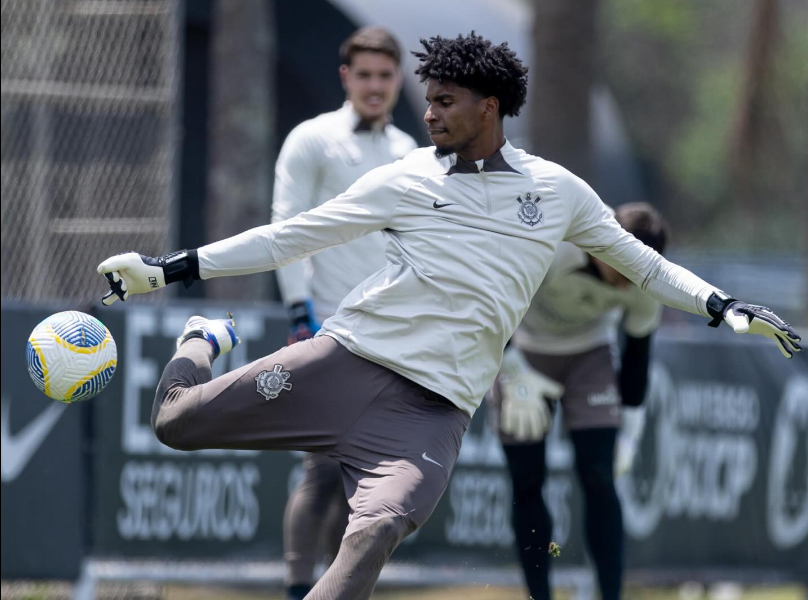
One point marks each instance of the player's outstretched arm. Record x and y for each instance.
(594, 229)
(365, 207)
(677, 287)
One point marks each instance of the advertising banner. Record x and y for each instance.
(722, 475)
(43, 470)
(720, 481)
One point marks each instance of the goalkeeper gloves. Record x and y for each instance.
(525, 413)
(303, 326)
(133, 273)
(628, 439)
(749, 318)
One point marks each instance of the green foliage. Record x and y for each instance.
(665, 19)
(697, 159)
(791, 85)
(677, 72)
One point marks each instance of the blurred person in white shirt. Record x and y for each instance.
(319, 160)
(564, 351)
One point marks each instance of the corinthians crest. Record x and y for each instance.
(529, 212)
(272, 383)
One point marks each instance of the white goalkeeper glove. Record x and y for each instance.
(525, 414)
(749, 318)
(628, 439)
(133, 273)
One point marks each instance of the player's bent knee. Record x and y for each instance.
(168, 435)
(379, 538)
(169, 423)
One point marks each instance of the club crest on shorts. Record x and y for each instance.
(272, 383)
(529, 212)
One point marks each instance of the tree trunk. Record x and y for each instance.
(750, 127)
(561, 75)
(242, 125)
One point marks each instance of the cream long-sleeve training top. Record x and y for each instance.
(467, 246)
(319, 160)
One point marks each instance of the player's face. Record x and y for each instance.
(371, 83)
(453, 116)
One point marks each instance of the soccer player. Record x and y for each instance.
(563, 350)
(319, 160)
(388, 385)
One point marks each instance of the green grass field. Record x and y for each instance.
(484, 592)
(150, 591)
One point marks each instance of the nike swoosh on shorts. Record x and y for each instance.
(433, 461)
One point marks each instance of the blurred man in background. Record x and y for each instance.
(319, 160)
(563, 351)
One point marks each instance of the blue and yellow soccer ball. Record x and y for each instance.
(71, 356)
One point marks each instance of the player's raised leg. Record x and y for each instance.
(268, 404)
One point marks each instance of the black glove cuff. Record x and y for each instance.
(299, 313)
(717, 307)
(180, 266)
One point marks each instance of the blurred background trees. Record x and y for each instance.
(715, 98)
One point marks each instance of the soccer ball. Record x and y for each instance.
(71, 356)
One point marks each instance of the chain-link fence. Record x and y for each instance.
(89, 139)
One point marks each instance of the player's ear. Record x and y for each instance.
(344, 71)
(490, 107)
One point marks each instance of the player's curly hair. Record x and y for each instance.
(473, 62)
